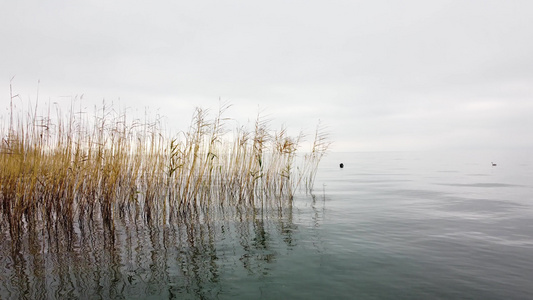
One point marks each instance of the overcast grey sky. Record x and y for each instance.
(383, 75)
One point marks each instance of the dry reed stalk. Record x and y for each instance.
(79, 169)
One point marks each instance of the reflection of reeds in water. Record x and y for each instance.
(61, 177)
(198, 255)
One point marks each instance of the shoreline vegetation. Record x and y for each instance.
(61, 177)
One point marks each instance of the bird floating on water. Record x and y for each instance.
(341, 165)
(493, 164)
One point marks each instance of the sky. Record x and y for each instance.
(379, 75)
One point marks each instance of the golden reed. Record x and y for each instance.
(73, 168)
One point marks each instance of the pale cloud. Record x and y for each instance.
(383, 75)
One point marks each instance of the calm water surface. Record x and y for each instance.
(389, 225)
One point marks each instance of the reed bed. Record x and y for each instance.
(61, 172)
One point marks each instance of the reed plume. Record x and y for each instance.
(67, 173)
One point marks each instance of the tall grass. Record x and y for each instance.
(68, 173)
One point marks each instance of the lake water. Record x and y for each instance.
(389, 225)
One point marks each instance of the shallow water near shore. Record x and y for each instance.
(389, 225)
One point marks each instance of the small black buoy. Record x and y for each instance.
(341, 165)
